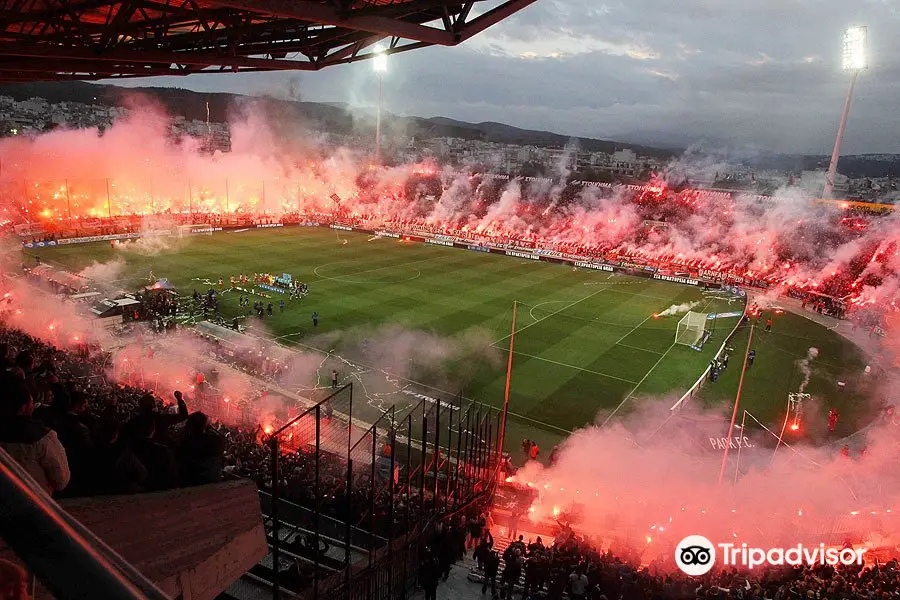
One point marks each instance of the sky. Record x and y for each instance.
(749, 75)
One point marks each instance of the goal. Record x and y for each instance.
(691, 328)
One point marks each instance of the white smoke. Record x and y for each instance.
(107, 272)
(805, 367)
(677, 309)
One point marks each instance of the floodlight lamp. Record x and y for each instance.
(379, 62)
(854, 52)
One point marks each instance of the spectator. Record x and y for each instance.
(32, 445)
(519, 545)
(158, 459)
(554, 455)
(511, 573)
(476, 525)
(429, 574)
(578, 584)
(491, 565)
(114, 467)
(485, 544)
(147, 409)
(534, 575)
(76, 439)
(200, 452)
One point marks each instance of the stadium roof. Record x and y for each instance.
(100, 39)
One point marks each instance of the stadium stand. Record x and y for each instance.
(126, 463)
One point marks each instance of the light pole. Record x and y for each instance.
(379, 65)
(855, 59)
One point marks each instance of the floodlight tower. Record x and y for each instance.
(379, 65)
(855, 59)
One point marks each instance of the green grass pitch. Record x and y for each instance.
(775, 374)
(586, 341)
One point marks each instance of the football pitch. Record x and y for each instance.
(587, 343)
(837, 377)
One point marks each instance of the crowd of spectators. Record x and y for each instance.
(573, 566)
(79, 434)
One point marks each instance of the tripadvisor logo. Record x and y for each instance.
(695, 555)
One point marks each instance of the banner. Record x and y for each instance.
(477, 248)
(270, 225)
(272, 288)
(725, 315)
(437, 242)
(599, 184)
(527, 255)
(27, 229)
(684, 280)
(590, 265)
(100, 238)
(735, 291)
(342, 227)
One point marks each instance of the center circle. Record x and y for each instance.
(387, 275)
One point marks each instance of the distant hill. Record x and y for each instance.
(333, 116)
(507, 134)
(339, 118)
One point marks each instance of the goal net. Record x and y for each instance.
(690, 329)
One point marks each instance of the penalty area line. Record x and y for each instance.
(631, 393)
(566, 307)
(371, 369)
(641, 349)
(562, 364)
(635, 328)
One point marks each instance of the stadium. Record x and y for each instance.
(293, 371)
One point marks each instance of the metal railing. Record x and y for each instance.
(69, 560)
(377, 489)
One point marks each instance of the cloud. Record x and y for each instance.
(763, 73)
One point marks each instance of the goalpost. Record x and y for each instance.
(690, 329)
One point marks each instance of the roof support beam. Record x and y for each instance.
(165, 58)
(491, 17)
(328, 15)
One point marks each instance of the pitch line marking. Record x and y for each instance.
(641, 349)
(531, 312)
(596, 321)
(635, 328)
(669, 299)
(506, 337)
(644, 378)
(266, 335)
(631, 393)
(562, 364)
(339, 277)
